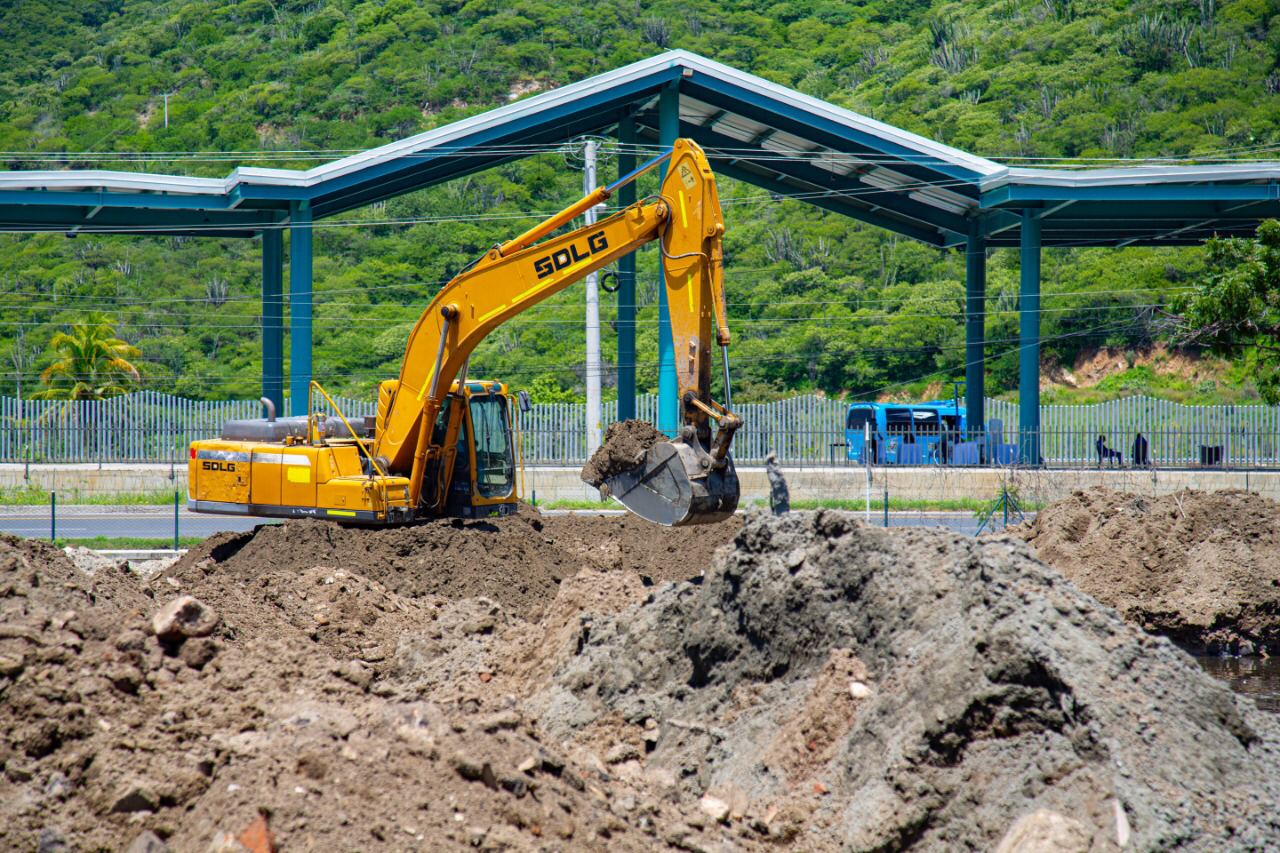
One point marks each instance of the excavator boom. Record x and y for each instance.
(522, 272)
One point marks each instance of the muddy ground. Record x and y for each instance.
(581, 684)
(1202, 568)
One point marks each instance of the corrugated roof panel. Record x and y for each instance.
(696, 112)
(837, 163)
(739, 128)
(787, 143)
(1136, 175)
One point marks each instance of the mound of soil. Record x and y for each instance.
(346, 715)
(842, 686)
(1202, 568)
(530, 684)
(518, 561)
(623, 448)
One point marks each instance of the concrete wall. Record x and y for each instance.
(69, 479)
(938, 484)
(551, 484)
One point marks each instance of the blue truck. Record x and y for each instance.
(930, 433)
(907, 433)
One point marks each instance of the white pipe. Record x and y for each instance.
(593, 316)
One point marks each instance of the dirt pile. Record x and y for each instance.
(351, 715)
(839, 685)
(824, 684)
(518, 561)
(624, 446)
(1202, 568)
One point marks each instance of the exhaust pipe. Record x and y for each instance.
(270, 407)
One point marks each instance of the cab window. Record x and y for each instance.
(495, 464)
(858, 419)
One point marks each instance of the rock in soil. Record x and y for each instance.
(998, 689)
(184, 617)
(623, 448)
(1202, 568)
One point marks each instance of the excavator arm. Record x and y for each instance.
(528, 269)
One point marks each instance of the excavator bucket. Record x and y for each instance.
(672, 487)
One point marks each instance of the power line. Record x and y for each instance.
(352, 321)
(372, 374)
(525, 149)
(854, 302)
(770, 196)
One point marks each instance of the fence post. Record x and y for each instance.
(175, 520)
(53, 516)
(866, 459)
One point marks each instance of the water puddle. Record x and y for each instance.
(1256, 677)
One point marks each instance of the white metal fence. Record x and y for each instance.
(805, 429)
(1177, 435)
(144, 427)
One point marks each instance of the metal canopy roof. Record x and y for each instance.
(753, 130)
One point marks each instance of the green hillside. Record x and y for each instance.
(817, 301)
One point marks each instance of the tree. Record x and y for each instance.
(1235, 311)
(546, 389)
(91, 363)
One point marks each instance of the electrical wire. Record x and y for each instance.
(609, 146)
(210, 381)
(984, 360)
(349, 321)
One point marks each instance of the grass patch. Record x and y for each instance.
(851, 504)
(896, 504)
(129, 543)
(584, 503)
(39, 496)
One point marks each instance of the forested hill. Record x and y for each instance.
(817, 302)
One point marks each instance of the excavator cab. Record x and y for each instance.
(484, 468)
(470, 453)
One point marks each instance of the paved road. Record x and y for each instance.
(156, 522)
(151, 522)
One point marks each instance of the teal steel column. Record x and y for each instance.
(1029, 342)
(626, 281)
(975, 316)
(273, 318)
(299, 306)
(668, 405)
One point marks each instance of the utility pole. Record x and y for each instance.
(166, 108)
(594, 415)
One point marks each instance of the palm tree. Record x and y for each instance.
(92, 363)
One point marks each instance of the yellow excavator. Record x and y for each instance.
(441, 443)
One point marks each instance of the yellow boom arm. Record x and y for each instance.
(523, 272)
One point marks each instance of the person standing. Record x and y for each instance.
(1140, 450)
(779, 495)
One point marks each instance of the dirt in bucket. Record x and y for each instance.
(624, 447)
